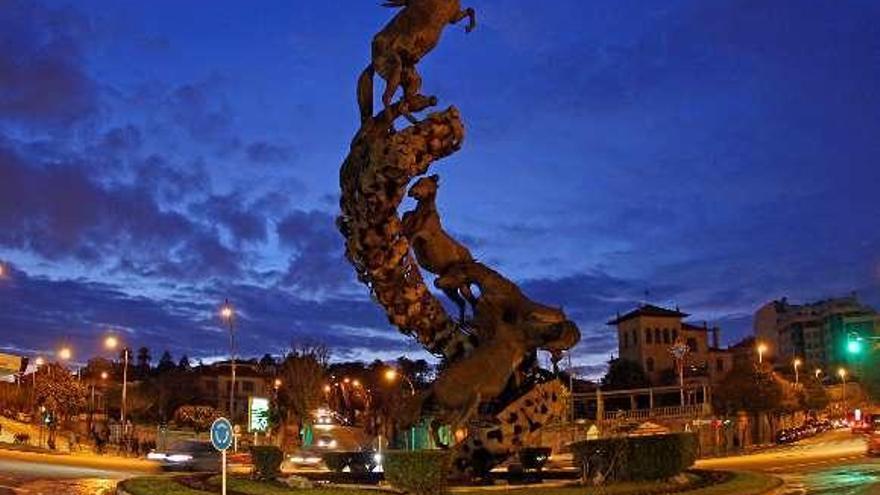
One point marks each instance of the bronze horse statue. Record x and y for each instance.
(435, 250)
(402, 43)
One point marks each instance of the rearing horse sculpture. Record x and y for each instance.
(402, 43)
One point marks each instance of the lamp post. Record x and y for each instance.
(111, 343)
(227, 312)
(392, 375)
(796, 363)
(679, 351)
(842, 374)
(817, 373)
(37, 363)
(762, 348)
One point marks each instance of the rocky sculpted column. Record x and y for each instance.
(491, 384)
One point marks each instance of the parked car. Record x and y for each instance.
(188, 455)
(787, 435)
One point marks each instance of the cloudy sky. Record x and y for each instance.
(158, 157)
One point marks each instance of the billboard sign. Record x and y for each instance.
(258, 414)
(10, 364)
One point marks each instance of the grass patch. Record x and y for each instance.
(742, 483)
(256, 487)
(157, 485)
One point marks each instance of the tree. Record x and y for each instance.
(815, 398)
(267, 362)
(748, 388)
(184, 364)
(166, 364)
(199, 418)
(143, 361)
(624, 374)
(302, 379)
(60, 394)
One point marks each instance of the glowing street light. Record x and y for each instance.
(104, 375)
(111, 343)
(762, 348)
(65, 353)
(796, 363)
(392, 375)
(356, 383)
(327, 389)
(277, 383)
(818, 372)
(841, 372)
(39, 362)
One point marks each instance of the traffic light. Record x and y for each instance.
(854, 346)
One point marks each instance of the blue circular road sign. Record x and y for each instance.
(221, 434)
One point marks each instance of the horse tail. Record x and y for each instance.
(365, 93)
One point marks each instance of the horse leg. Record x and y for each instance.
(470, 14)
(459, 301)
(411, 82)
(393, 67)
(469, 295)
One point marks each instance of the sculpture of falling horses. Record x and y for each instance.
(410, 35)
(489, 381)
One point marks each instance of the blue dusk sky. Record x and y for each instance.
(158, 157)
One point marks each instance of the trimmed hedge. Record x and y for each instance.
(267, 461)
(652, 457)
(420, 472)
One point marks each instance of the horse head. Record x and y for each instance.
(425, 188)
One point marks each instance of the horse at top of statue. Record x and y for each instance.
(402, 43)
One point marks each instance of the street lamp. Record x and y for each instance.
(392, 375)
(817, 373)
(796, 363)
(227, 312)
(841, 372)
(111, 343)
(277, 383)
(762, 348)
(65, 353)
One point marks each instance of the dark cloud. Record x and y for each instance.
(265, 152)
(74, 217)
(319, 264)
(43, 313)
(42, 75)
(243, 223)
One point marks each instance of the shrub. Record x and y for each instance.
(267, 462)
(636, 458)
(423, 472)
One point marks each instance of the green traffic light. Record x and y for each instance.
(854, 347)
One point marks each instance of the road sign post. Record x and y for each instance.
(221, 438)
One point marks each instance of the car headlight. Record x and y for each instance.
(156, 456)
(179, 458)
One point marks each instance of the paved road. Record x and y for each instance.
(29, 478)
(833, 463)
